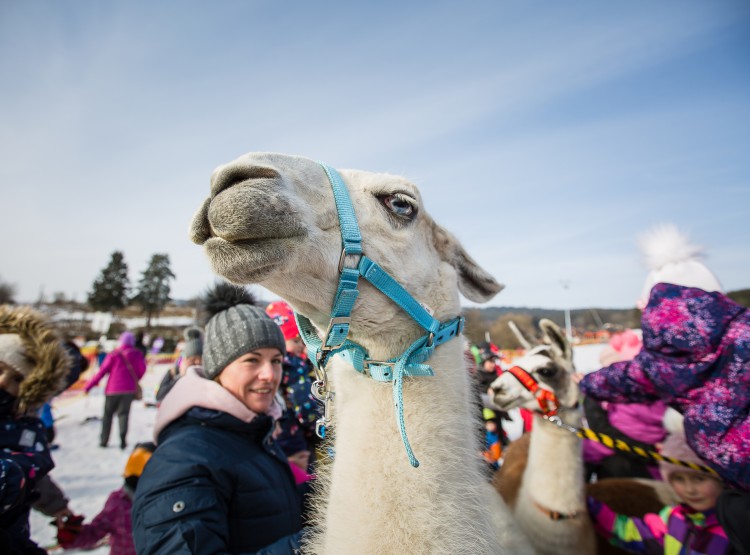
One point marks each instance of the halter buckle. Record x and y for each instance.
(342, 259)
(367, 363)
(335, 322)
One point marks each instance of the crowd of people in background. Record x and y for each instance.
(235, 450)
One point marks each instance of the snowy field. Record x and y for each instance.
(88, 473)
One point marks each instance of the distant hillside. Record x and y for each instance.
(494, 319)
(585, 319)
(741, 296)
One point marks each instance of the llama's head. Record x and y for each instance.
(549, 364)
(271, 219)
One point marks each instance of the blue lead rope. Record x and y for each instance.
(411, 362)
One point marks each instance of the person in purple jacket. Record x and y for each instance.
(695, 357)
(125, 366)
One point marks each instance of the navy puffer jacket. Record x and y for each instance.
(215, 484)
(24, 460)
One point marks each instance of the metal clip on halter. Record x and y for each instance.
(320, 391)
(557, 421)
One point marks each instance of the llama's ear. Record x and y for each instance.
(555, 337)
(473, 282)
(525, 343)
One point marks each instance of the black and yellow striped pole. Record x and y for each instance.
(620, 445)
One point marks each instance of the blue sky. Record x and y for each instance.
(546, 135)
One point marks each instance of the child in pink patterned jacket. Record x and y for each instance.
(695, 357)
(114, 519)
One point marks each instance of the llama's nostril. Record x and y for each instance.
(228, 176)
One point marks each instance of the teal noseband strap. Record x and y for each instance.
(411, 363)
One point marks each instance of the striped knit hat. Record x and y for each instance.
(235, 331)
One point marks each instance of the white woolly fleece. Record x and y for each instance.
(671, 258)
(13, 353)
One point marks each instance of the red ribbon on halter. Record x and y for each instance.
(547, 400)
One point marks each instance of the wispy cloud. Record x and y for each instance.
(543, 137)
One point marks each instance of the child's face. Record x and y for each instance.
(697, 490)
(295, 346)
(187, 362)
(10, 379)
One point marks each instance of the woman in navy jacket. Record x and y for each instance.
(217, 482)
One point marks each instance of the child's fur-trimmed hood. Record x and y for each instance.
(43, 347)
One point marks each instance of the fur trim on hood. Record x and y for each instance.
(193, 390)
(43, 347)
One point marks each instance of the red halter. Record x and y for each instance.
(547, 400)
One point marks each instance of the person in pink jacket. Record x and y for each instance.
(114, 520)
(125, 366)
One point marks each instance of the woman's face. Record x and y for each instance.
(10, 379)
(254, 378)
(697, 490)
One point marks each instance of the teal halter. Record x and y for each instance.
(410, 363)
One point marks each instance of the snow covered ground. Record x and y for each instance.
(88, 473)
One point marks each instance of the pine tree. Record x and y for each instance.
(110, 290)
(7, 293)
(153, 287)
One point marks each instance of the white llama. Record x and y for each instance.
(272, 219)
(550, 506)
(542, 478)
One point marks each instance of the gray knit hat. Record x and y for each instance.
(235, 331)
(193, 342)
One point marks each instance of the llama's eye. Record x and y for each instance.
(400, 205)
(547, 371)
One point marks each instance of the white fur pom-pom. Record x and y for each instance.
(665, 244)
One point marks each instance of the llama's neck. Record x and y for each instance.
(376, 502)
(553, 482)
(555, 452)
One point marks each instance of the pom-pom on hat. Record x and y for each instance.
(236, 327)
(283, 315)
(193, 342)
(673, 259)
